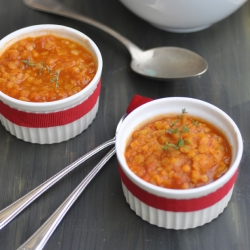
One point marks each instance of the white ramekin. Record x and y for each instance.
(51, 122)
(178, 209)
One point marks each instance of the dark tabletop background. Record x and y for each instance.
(101, 218)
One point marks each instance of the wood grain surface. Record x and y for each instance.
(101, 218)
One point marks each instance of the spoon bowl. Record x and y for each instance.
(168, 62)
(163, 63)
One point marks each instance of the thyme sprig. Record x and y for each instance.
(28, 62)
(174, 129)
(41, 67)
(56, 77)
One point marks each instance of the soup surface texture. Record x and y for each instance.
(45, 69)
(178, 152)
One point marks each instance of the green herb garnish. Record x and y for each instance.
(41, 67)
(175, 128)
(28, 62)
(56, 77)
(184, 111)
(169, 145)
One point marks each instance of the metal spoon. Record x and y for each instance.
(10, 212)
(161, 63)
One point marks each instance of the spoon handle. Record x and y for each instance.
(38, 240)
(54, 7)
(10, 212)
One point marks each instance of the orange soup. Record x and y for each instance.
(45, 69)
(178, 152)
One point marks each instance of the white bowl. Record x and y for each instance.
(57, 121)
(183, 15)
(178, 209)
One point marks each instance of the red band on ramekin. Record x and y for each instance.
(174, 205)
(35, 120)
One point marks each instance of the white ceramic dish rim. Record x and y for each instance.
(171, 193)
(69, 101)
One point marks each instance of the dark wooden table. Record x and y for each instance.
(101, 218)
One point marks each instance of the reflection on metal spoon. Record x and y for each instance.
(170, 61)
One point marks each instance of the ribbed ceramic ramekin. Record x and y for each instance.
(178, 209)
(52, 122)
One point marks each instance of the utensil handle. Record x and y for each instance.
(10, 212)
(38, 240)
(60, 9)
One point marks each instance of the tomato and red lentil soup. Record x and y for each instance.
(45, 69)
(178, 152)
